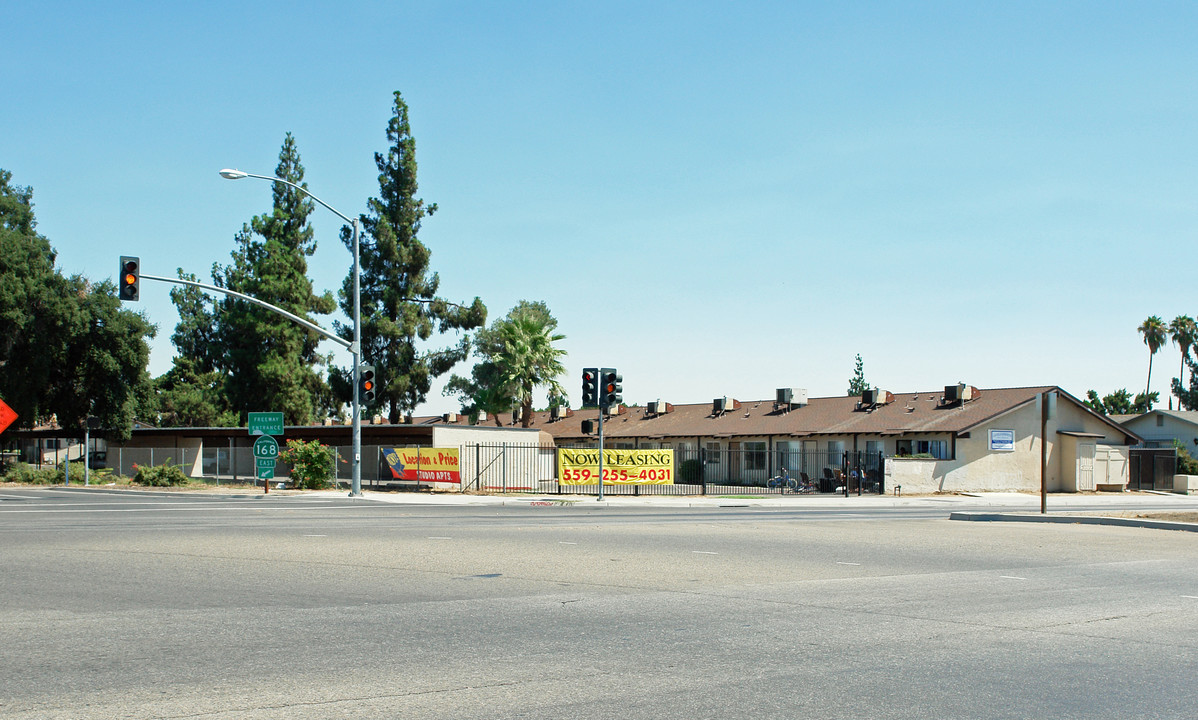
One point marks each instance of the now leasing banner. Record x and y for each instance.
(620, 467)
(424, 464)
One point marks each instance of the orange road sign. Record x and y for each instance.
(6, 416)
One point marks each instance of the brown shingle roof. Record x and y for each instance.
(922, 412)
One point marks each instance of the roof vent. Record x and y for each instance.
(449, 417)
(557, 412)
(657, 407)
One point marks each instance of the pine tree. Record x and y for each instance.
(400, 307)
(857, 384)
(269, 361)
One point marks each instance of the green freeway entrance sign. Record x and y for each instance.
(266, 471)
(265, 423)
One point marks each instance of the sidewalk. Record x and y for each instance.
(1010, 501)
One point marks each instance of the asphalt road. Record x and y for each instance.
(116, 605)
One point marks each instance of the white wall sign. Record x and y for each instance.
(1002, 441)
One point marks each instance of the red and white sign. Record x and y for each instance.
(6, 416)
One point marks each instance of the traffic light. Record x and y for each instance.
(130, 278)
(590, 387)
(367, 384)
(611, 392)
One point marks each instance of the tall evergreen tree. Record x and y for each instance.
(400, 307)
(857, 384)
(192, 393)
(269, 361)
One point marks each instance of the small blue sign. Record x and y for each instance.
(1002, 441)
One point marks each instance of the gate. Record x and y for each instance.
(1152, 468)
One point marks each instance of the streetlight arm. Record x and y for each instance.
(238, 174)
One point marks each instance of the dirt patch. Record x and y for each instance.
(1187, 516)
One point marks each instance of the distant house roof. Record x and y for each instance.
(1186, 416)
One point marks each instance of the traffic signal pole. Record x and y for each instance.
(354, 349)
(262, 303)
(601, 454)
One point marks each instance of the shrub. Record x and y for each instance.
(29, 475)
(1186, 464)
(311, 464)
(690, 472)
(164, 475)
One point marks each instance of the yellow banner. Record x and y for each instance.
(620, 467)
(424, 464)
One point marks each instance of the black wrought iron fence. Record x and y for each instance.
(534, 469)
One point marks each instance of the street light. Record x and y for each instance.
(355, 348)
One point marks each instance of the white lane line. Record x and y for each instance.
(846, 563)
(316, 536)
(439, 537)
(26, 509)
(1011, 577)
(563, 542)
(1190, 597)
(704, 552)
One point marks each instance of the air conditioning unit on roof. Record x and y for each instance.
(790, 397)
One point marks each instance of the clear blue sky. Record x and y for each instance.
(995, 193)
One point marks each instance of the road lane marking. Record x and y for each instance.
(439, 537)
(846, 563)
(1011, 577)
(704, 552)
(563, 542)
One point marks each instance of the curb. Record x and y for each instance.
(1075, 520)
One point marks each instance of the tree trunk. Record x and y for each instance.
(1148, 385)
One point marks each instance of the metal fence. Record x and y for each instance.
(529, 468)
(508, 468)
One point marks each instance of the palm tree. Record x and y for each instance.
(1184, 331)
(1153, 330)
(528, 358)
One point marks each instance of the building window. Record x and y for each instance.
(936, 448)
(874, 447)
(755, 456)
(1160, 420)
(713, 453)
